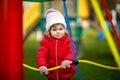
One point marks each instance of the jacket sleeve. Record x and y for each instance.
(42, 54)
(69, 50)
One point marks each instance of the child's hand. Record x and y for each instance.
(43, 70)
(65, 64)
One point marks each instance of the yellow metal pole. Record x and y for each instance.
(83, 10)
(108, 36)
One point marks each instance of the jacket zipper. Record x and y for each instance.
(56, 59)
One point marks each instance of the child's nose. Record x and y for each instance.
(58, 31)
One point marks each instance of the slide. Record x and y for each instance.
(31, 15)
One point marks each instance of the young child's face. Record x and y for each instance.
(57, 31)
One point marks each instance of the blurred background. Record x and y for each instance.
(86, 31)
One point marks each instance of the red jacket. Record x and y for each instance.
(52, 52)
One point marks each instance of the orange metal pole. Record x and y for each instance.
(11, 40)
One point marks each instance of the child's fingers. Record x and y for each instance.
(68, 65)
(65, 64)
(43, 70)
(46, 72)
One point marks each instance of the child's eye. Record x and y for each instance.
(53, 29)
(61, 29)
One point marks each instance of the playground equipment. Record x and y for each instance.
(11, 42)
(83, 10)
(81, 61)
(106, 32)
(75, 61)
(31, 17)
(97, 10)
(112, 25)
(108, 37)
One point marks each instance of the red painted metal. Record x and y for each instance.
(111, 23)
(11, 40)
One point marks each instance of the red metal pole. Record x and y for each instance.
(11, 40)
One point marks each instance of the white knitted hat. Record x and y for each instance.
(53, 17)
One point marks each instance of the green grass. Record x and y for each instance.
(94, 50)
